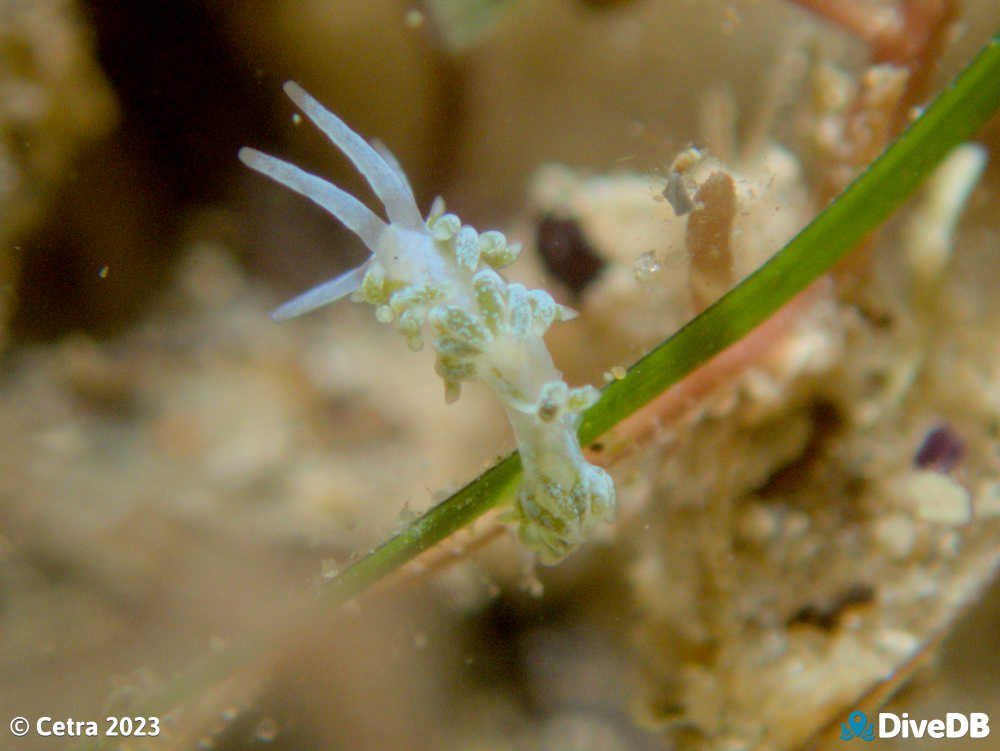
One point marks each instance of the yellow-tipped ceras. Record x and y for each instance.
(438, 278)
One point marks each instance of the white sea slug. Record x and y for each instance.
(437, 278)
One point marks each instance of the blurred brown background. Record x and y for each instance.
(165, 484)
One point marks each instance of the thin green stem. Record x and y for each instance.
(480, 495)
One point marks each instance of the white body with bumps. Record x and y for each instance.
(438, 278)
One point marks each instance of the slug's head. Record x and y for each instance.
(382, 171)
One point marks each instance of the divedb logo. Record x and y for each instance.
(891, 725)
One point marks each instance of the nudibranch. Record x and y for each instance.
(438, 278)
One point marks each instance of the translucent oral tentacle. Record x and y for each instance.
(391, 190)
(353, 214)
(327, 292)
(383, 151)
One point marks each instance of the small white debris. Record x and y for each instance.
(218, 644)
(266, 731)
(329, 569)
(934, 497)
(929, 234)
(414, 18)
(645, 267)
(759, 524)
(898, 643)
(796, 524)
(897, 534)
(762, 388)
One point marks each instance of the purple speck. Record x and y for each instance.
(941, 450)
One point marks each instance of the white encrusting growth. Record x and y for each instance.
(439, 277)
(930, 232)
